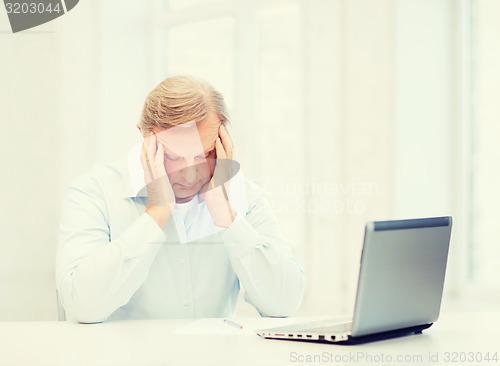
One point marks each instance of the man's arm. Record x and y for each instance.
(96, 272)
(274, 282)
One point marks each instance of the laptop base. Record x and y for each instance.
(385, 335)
(366, 338)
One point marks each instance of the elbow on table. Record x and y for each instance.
(83, 305)
(87, 315)
(85, 312)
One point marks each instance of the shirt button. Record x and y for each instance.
(186, 302)
(234, 244)
(182, 261)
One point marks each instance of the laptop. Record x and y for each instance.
(400, 285)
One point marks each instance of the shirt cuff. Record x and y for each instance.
(143, 238)
(239, 238)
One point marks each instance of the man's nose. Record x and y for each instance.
(189, 173)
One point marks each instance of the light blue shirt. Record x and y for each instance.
(115, 262)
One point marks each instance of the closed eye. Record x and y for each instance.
(173, 158)
(178, 158)
(201, 157)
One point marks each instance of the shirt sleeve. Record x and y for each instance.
(96, 275)
(274, 283)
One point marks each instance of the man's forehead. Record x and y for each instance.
(189, 138)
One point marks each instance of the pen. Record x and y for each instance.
(233, 324)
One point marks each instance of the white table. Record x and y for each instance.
(211, 342)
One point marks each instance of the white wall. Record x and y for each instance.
(423, 99)
(30, 144)
(348, 101)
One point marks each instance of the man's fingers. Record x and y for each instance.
(226, 142)
(147, 159)
(229, 135)
(160, 155)
(147, 166)
(151, 149)
(221, 153)
(143, 154)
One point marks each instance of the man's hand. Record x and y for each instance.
(161, 199)
(214, 192)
